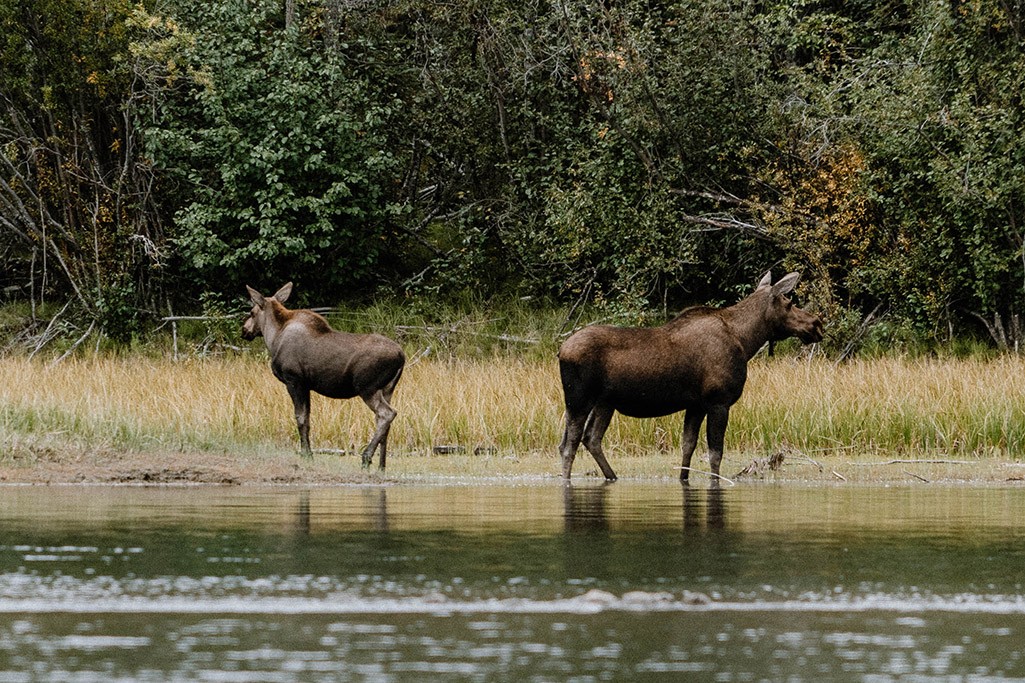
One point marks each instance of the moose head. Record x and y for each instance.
(254, 325)
(782, 316)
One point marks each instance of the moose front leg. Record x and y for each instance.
(691, 427)
(301, 401)
(718, 417)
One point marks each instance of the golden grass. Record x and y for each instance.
(504, 415)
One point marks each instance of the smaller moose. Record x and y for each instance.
(307, 355)
(696, 362)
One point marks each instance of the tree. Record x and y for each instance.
(938, 113)
(75, 200)
(582, 149)
(275, 145)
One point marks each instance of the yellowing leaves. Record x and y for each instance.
(592, 65)
(825, 219)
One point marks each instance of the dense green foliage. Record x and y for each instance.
(635, 156)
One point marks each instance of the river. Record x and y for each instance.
(513, 581)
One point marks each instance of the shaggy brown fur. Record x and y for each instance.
(696, 362)
(308, 355)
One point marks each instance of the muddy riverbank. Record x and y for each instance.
(51, 462)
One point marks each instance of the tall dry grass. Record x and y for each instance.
(971, 407)
(513, 406)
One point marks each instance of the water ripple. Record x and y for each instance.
(158, 601)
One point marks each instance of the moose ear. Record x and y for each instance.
(282, 294)
(786, 284)
(255, 296)
(766, 280)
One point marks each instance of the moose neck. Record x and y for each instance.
(747, 320)
(275, 316)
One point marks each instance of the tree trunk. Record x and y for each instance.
(289, 13)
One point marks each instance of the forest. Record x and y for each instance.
(629, 157)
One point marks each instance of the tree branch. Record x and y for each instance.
(716, 223)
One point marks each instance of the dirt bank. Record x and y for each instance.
(35, 464)
(52, 462)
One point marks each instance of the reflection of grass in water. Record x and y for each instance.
(509, 410)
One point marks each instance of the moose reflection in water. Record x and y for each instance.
(696, 362)
(705, 513)
(586, 509)
(307, 355)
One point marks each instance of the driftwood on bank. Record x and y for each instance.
(759, 466)
(911, 462)
(715, 477)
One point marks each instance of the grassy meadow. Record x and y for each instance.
(502, 415)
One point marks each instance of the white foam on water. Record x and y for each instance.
(592, 602)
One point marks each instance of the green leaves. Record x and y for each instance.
(630, 153)
(282, 169)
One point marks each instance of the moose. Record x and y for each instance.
(308, 355)
(697, 362)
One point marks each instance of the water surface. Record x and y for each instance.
(534, 581)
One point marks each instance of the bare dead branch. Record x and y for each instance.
(912, 474)
(852, 343)
(911, 462)
(74, 346)
(711, 474)
(49, 333)
(719, 198)
(716, 223)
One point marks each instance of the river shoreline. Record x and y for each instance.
(35, 464)
(101, 466)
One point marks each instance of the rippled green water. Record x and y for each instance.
(512, 582)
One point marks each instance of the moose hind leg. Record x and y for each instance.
(691, 427)
(597, 425)
(301, 402)
(378, 403)
(575, 422)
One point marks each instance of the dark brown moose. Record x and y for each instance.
(696, 362)
(307, 355)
